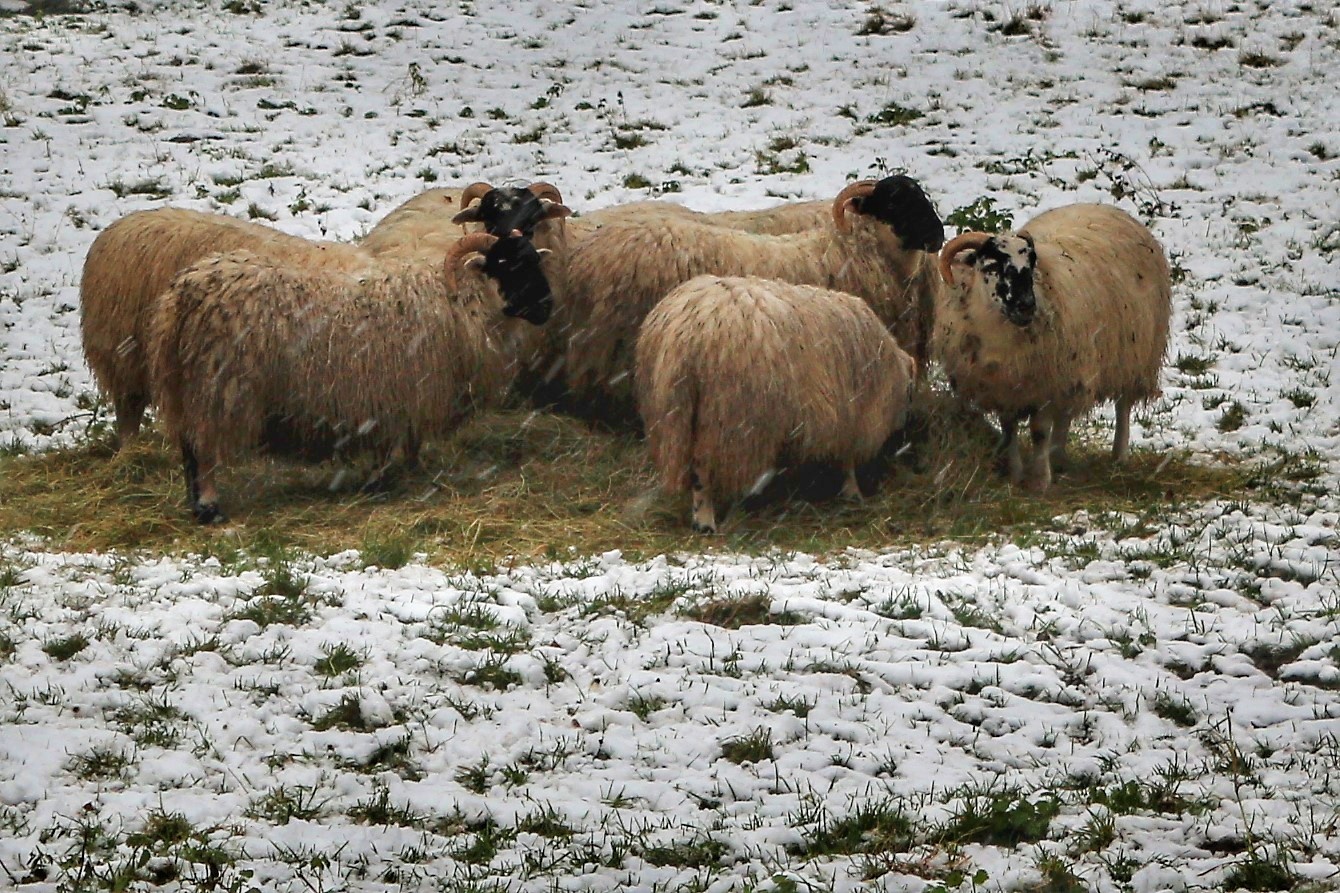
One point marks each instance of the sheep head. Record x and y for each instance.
(513, 263)
(510, 209)
(1002, 268)
(898, 201)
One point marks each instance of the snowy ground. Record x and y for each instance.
(1138, 703)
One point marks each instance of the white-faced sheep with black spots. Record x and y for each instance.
(736, 376)
(1045, 323)
(874, 247)
(247, 352)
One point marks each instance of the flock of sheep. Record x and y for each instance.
(739, 340)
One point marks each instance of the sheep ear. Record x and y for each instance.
(553, 209)
(469, 215)
(475, 264)
(543, 252)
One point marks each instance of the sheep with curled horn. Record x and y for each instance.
(131, 263)
(1044, 323)
(250, 352)
(736, 376)
(878, 246)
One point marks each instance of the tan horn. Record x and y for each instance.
(468, 214)
(960, 243)
(546, 190)
(473, 191)
(466, 245)
(859, 189)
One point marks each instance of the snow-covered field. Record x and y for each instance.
(1142, 703)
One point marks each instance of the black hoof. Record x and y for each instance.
(208, 513)
(702, 528)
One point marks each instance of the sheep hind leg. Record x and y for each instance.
(1121, 443)
(704, 514)
(851, 489)
(129, 410)
(200, 489)
(402, 458)
(1039, 475)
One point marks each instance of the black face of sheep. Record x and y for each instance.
(510, 209)
(900, 202)
(1007, 264)
(514, 264)
(507, 210)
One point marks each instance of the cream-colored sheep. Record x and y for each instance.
(131, 263)
(876, 247)
(736, 376)
(1043, 324)
(778, 220)
(249, 351)
(419, 226)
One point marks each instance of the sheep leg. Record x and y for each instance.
(402, 457)
(1060, 434)
(129, 414)
(1039, 465)
(1121, 444)
(1007, 453)
(704, 514)
(850, 488)
(200, 489)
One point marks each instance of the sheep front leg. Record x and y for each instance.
(1121, 443)
(200, 489)
(1007, 452)
(1060, 435)
(1039, 465)
(704, 514)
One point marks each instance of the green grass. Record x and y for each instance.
(539, 486)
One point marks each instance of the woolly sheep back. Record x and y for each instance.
(736, 376)
(419, 226)
(129, 264)
(132, 262)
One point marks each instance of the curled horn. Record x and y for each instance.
(473, 191)
(468, 214)
(466, 245)
(958, 244)
(546, 191)
(859, 189)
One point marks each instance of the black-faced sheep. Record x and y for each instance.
(248, 351)
(875, 247)
(131, 263)
(736, 376)
(1045, 323)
